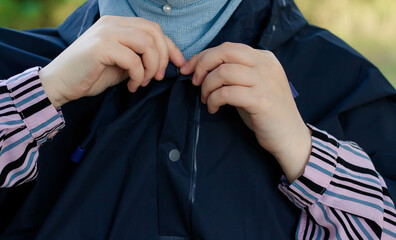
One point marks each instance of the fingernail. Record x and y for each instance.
(162, 74)
(194, 79)
(182, 68)
(212, 111)
(184, 61)
(146, 82)
(135, 89)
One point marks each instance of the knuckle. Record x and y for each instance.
(99, 44)
(103, 32)
(150, 69)
(203, 60)
(272, 56)
(164, 62)
(172, 48)
(206, 95)
(99, 29)
(224, 93)
(269, 54)
(198, 66)
(135, 62)
(227, 45)
(232, 45)
(106, 19)
(222, 71)
(156, 26)
(166, 50)
(245, 47)
(269, 57)
(103, 19)
(210, 100)
(165, 57)
(149, 42)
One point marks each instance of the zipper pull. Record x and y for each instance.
(78, 154)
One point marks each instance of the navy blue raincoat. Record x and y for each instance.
(131, 183)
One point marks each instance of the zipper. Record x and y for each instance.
(79, 152)
(197, 116)
(276, 18)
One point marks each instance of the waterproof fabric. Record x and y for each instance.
(224, 186)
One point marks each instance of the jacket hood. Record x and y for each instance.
(278, 19)
(285, 21)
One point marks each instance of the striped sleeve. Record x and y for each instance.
(340, 194)
(27, 120)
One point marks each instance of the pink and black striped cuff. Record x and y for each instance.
(31, 102)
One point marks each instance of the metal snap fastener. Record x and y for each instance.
(174, 155)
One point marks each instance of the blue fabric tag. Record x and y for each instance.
(293, 90)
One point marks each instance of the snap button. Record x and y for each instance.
(167, 8)
(174, 155)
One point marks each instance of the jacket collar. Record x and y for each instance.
(264, 24)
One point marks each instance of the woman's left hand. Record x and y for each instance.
(255, 83)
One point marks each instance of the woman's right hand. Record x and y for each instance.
(113, 49)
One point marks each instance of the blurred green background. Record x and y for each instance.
(367, 25)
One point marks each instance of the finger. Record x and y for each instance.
(175, 55)
(144, 44)
(167, 49)
(154, 29)
(127, 59)
(164, 55)
(225, 75)
(237, 96)
(164, 47)
(210, 59)
(151, 63)
(111, 76)
(174, 52)
(142, 25)
(190, 65)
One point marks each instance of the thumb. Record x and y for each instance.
(189, 67)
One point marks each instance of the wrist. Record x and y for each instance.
(295, 156)
(50, 88)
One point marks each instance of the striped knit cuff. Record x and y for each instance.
(35, 109)
(318, 173)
